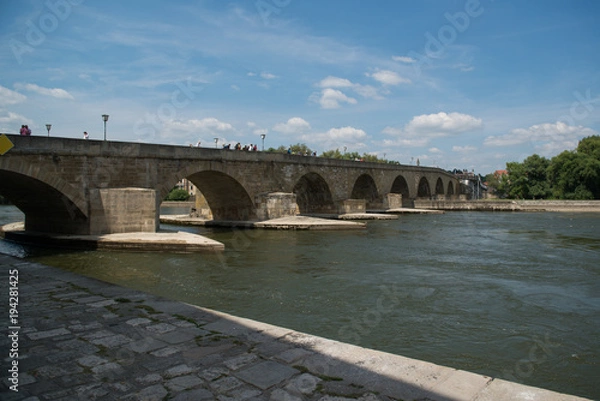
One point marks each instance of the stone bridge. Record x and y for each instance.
(77, 186)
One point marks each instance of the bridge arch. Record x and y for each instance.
(423, 190)
(400, 186)
(313, 194)
(450, 191)
(365, 188)
(439, 186)
(47, 207)
(226, 197)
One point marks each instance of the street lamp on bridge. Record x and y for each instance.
(262, 136)
(48, 126)
(105, 119)
(216, 142)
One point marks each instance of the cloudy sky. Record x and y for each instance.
(456, 84)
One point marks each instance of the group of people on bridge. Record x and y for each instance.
(25, 130)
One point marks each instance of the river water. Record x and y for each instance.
(510, 295)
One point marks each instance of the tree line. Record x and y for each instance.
(303, 149)
(573, 174)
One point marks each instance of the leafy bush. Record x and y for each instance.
(178, 195)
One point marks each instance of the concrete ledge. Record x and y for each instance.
(367, 216)
(146, 242)
(282, 223)
(308, 223)
(408, 210)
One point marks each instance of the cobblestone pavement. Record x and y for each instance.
(81, 339)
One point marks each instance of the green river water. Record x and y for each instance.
(510, 295)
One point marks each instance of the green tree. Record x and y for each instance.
(575, 175)
(535, 168)
(178, 195)
(498, 183)
(366, 157)
(297, 149)
(528, 180)
(590, 146)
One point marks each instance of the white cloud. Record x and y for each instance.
(266, 75)
(404, 59)
(53, 92)
(211, 124)
(421, 129)
(337, 137)
(12, 121)
(346, 133)
(547, 138)
(335, 82)
(392, 131)
(435, 150)
(330, 82)
(206, 126)
(442, 124)
(331, 98)
(294, 125)
(387, 77)
(367, 91)
(464, 149)
(406, 142)
(8, 96)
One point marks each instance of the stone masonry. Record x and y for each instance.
(58, 182)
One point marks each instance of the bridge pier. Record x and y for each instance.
(392, 201)
(123, 210)
(349, 206)
(273, 205)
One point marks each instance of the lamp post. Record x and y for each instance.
(105, 119)
(216, 142)
(262, 136)
(48, 126)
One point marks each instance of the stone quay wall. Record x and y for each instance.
(511, 206)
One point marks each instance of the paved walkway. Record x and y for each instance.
(81, 339)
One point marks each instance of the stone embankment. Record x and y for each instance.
(76, 338)
(511, 206)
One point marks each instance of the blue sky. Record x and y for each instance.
(456, 84)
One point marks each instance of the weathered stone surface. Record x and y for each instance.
(182, 383)
(266, 374)
(122, 210)
(39, 335)
(101, 187)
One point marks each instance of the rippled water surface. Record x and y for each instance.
(511, 295)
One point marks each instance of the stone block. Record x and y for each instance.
(392, 201)
(123, 210)
(352, 206)
(266, 374)
(274, 205)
